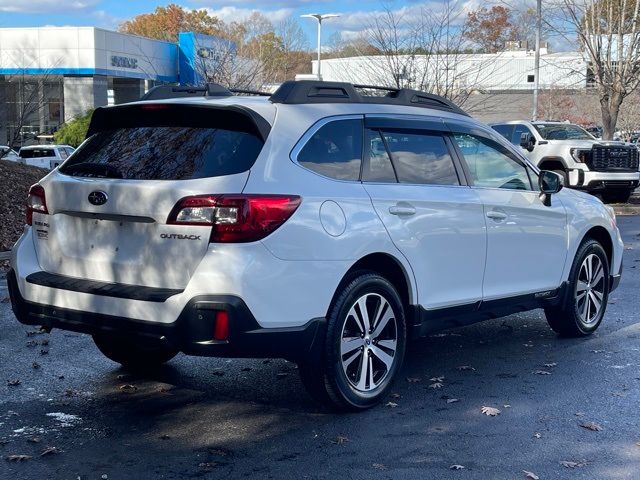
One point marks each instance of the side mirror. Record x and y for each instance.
(527, 141)
(549, 183)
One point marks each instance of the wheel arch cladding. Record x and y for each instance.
(386, 266)
(552, 163)
(601, 235)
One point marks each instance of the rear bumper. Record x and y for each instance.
(191, 333)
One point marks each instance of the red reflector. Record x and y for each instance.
(155, 106)
(221, 331)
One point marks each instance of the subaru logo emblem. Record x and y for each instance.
(98, 198)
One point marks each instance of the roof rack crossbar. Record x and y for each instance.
(315, 91)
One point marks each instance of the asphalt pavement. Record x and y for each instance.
(76, 415)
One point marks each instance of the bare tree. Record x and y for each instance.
(608, 32)
(424, 49)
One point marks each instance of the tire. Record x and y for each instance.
(134, 352)
(575, 317)
(336, 379)
(616, 196)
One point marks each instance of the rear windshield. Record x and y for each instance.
(37, 152)
(162, 146)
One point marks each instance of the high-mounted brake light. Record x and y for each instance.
(36, 202)
(235, 218)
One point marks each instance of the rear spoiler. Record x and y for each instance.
(235, 117)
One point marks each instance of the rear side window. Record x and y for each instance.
(334, 150)
(421, 158)
(63, 153)
(37, 152)
(167, 144)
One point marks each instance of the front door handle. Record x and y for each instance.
(495, 215)
(405, 209)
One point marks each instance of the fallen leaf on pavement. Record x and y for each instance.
(568, 464)
(208, 465)
(127, 388)
(413, 379)
(464, 368)
(591, 426)
(437, 379)
(379, 466)
(542, 372)
(452, 400)
(395, 395)
(436, 385)
(50, 451)
(550, 365)
(13, 383)
(456, 467)
(32, 343)
(537, 435)
(44, 352)
(490, 411)
(33, 440)
(391, 405)
(530, 475)
(17, 458)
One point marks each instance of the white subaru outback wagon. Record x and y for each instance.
(323, 224)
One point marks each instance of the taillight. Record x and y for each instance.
(36, 202)
(235, 218)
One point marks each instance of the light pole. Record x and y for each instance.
(536, 78)
(320, 17)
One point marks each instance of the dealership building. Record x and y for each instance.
(49, 75)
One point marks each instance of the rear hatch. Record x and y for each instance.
(108, 204)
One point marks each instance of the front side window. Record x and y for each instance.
(518, 132)
(421, 158)
(491, 165)
(335, 150)
(505, 130)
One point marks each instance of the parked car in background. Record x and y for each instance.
(606, 167)
(7, 153)
(45, 156)
(317, 224)
(595, 131)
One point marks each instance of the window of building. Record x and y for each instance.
(335, 150)
(491, 165)
(531, 78)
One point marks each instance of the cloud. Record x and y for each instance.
(45, 6)
(237, 14)
(292, 4)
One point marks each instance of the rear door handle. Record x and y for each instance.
(495, 215)
(402, 210)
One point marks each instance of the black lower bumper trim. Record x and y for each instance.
(117, 290)
(191, 333)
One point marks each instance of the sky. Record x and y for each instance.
(110, 13)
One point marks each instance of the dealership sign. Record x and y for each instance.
(124, 62)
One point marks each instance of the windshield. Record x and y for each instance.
(556, 131)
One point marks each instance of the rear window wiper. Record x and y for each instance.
(99, 170)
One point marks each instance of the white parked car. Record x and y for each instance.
(45, 156)
(318, 224)
(7, 153)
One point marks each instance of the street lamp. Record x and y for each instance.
(320, 17)
(536, 78)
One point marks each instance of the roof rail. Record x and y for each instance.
(162, 92)
(315, 91)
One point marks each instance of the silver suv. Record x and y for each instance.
(608, 168)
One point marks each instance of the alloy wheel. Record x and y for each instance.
(368, 342)
(590, 289)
